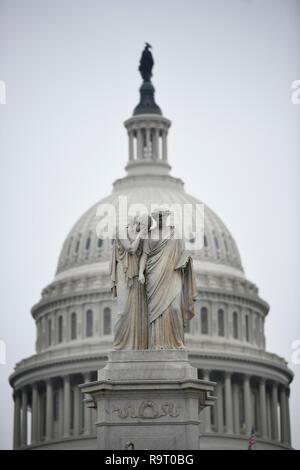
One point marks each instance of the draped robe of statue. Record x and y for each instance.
(131, 327)
(170, 289)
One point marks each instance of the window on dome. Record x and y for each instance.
(99, 242)
(73, 326)
(226, 245)
(49, 332)
(216, 243)
(235, 325)
(221, 326)
(205, 241)
(107, 321)
(88, 243)
(69, 247)
(247, 328)
(89, 323)
(60, 329)
(204, 321)
(77, 246)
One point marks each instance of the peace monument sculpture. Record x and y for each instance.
(153, 279)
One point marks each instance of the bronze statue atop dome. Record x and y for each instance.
(147, 103)
(146, 63)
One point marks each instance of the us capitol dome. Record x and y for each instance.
(74, 320)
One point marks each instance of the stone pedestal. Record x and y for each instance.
(151, 399)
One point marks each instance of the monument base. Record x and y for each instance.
(148, 400)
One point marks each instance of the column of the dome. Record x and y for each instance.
(49, 409)
(288, 421)
(263, 335)
(41, 416)
(53, 330)
(41, 339)
(80, 322)
(269, 414)
(139, 138)
(274, 411)
(24, 418)
(148, 143)
(251, 327)
(34, 414)
(131, 148)
(206, 411)
(93, 420)
(213, 316)
(67, 405)
(17, 420)
(61, 411)
(283, 415)
(254, 392)
(77, 397)
(37, 343)
(87, 413)
(220, 420)
(164, 146)
(81, 408)
(263, 407)
(155, 150)
(236, 413)
(247, 403)
(65, 326)
(228, 403)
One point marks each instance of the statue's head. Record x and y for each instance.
(144, 222)
(160, 216)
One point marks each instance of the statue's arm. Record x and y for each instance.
(135, 244)
(142, 267)
(131, 247)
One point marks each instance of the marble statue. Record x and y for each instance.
(152, 277)
(130, 329)
(166, 268)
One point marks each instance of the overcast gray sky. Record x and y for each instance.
(223, 74)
